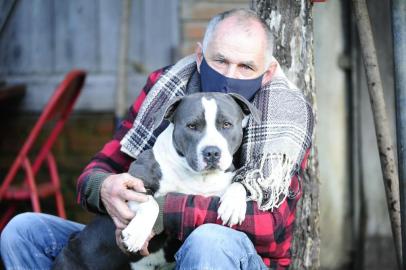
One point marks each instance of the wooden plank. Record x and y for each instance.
(42, 44)
(22, 62)
(62, 33)
(15, 55)
(155, 33)
(84, 20)
(6, 9)
(3, 54)
(76, 35)
(161, 35)
(137, 27)
(109, 13)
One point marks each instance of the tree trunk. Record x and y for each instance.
(292, 25)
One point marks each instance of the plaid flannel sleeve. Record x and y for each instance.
(270, 231)
(110, 160)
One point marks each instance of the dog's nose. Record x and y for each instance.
(211, 154)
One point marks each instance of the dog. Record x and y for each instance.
(193, 155)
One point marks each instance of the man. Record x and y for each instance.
(235, 56)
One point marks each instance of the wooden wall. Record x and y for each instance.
(43, 39)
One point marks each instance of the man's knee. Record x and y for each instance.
(215, 236)
(19, 227)
(209, 234)
(213, 246)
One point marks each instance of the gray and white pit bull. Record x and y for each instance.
(193, 155)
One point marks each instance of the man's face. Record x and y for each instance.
(237, 51)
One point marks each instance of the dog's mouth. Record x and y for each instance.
(212, 167)
(207, 169)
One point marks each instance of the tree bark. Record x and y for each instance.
(292, 26)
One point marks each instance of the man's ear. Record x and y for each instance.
(247, 108)
(270, 72)
(199, 55)
(167, 112)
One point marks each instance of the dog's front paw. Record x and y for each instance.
(233, 205)
(140, 227)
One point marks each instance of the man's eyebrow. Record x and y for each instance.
(219, 56)
(250, 64)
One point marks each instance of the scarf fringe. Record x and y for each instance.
(268, 183)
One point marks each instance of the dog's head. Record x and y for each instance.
(208, 128)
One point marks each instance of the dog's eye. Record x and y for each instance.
(227, 125)
(191, 126)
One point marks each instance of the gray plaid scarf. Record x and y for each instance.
(272, 150)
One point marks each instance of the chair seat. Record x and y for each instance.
(24, 193)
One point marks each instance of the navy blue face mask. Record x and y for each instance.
(213, 81)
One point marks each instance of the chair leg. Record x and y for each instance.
(31, 184)
(53, 171)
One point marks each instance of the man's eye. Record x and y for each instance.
(220, 61)
(191, 126)
(247, 67)
(227, 125)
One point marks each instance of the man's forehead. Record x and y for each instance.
(247, 26)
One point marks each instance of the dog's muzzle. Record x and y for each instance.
(211, 155)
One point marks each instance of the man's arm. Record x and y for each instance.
(270, 232)
(110, 160)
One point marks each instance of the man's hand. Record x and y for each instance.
(116, 190)
(144, 250)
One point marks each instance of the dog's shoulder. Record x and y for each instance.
(146, 168)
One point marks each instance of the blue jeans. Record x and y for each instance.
(213, 246)
(32, 241)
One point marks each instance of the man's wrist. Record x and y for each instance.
(93, 188)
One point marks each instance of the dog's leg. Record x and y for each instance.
(233, 205)
(140, 227)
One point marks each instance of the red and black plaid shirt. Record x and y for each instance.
(270, 232)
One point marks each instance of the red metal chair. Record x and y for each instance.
(55, 113)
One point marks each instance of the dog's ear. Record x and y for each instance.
(247, 107)
(166, 113)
